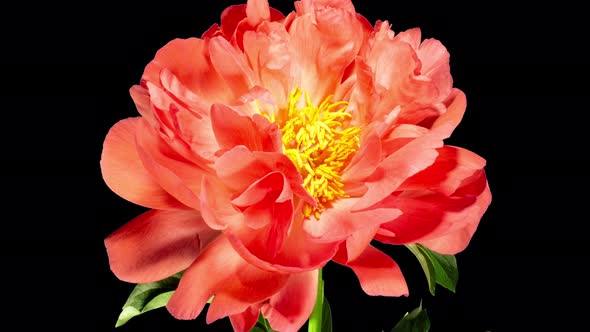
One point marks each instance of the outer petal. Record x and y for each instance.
(156, 245)
(175, 174)
(405, 162)
(245, 321)
(189, 60)
(456, 104)
(290, 308)
(456, 229)
(238, 283)
(430, 215)
(377, 273)
(450, 168)
(124, 172)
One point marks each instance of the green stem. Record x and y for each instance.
(315, 320)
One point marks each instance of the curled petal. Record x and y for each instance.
(457, 227)
(290, 308)
(341, 220)
(448, 171)
(378, 273)
(238, 283)
(146, 250)
(256, 133)
(125, 174)
(180, 178)
(326, 37)
(245, 321)
(397, 167)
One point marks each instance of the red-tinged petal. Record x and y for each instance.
(176, 175)
(456, 228)
(456, 104)
(378, 273)
(233, 276)
(340, 221)
(422, 214)
(358, 242)
(238, 168)
(298, 253)
(257, 11)
(405, 162)
(189, 60)
(157, 244)
(216, 206)
(269, 52)
(435, 65)
(326, 37)
(256, 133)
(245, 321)
(231, 66)
(185, 128)
(365, 160)
(141, 98)
(290, 308)
(126, 175)
(450, 168)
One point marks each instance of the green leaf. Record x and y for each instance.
(326, 317)
(146, 297)
(439, 269)
(262, 325)
(415, 321)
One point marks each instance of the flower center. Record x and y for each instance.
(320, 142)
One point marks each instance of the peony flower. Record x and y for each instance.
(273, 145)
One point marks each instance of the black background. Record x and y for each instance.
(66, 71)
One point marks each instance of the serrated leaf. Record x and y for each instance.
(146, 297)
(414, 321)
(326, 317)
(439, 269)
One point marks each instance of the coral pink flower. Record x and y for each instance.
(273, 145)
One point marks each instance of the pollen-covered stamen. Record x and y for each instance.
(320, 143)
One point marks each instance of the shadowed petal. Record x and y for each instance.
(290, 308)
(377, 273)
(156, 245)
(126, 175)
(220, 270)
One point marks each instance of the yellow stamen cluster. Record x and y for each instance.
(320, 144)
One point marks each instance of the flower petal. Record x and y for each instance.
(175, 174)
(298, 253)
(290, 308)
(326, 37)
(238, 168)
(231, 66)
(238, 283)
(341, 220)
(378, 273)
(245, 321)
(456, 104)
(126, 175)
(446, 174)
(429, 215)
(403, 163)
(232, 129)
(457, 227)
(189, 60)
(157, 244)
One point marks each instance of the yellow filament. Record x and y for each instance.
(320, 144)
